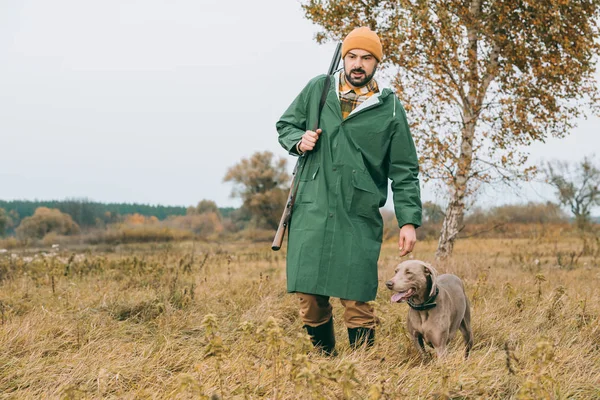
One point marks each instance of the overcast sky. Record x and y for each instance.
(151, 101)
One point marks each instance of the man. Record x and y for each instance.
(336, 229)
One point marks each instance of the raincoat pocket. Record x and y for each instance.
(308, 189)
(365, 199)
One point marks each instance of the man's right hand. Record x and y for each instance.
(309, 140)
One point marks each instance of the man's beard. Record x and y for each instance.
(359, 82)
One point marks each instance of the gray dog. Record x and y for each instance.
(438, 305)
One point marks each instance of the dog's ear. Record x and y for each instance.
(429, 270)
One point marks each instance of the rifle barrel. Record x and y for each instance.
(335, 61)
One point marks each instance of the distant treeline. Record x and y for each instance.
(89, 213)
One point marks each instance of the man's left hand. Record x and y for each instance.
(408, 238)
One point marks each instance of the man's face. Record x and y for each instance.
(359, 67)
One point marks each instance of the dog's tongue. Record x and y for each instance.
(398, 297)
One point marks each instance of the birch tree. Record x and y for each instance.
(480, 79)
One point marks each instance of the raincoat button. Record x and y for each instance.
(335, 169)
(330, 215)
(353, 171)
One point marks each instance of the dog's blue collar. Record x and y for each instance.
(429, 304)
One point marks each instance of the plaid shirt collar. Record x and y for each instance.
(351, 98)
(370, 87)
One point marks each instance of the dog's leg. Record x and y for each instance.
(441, 351)
(440, 343)
(419, 344)
(465, 330)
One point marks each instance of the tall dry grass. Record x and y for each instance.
(185, 320)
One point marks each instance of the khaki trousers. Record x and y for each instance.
(315, 310)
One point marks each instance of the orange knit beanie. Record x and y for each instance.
(365, 39)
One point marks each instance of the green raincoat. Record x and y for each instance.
(335, 232)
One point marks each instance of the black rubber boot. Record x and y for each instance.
(358, 337)
(323, 337)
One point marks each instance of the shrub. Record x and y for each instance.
(138, 234)
(44, 221)
(203, 225)
(530, 213)
(10, 243)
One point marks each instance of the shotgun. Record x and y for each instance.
(291, 199)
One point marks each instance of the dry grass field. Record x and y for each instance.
(213, 321)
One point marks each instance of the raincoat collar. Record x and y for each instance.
(373, 100)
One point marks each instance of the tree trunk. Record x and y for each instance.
(455, 211)
(582, 221)
(450, 228)
(471, 107)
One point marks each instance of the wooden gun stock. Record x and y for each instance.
(285, 220)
